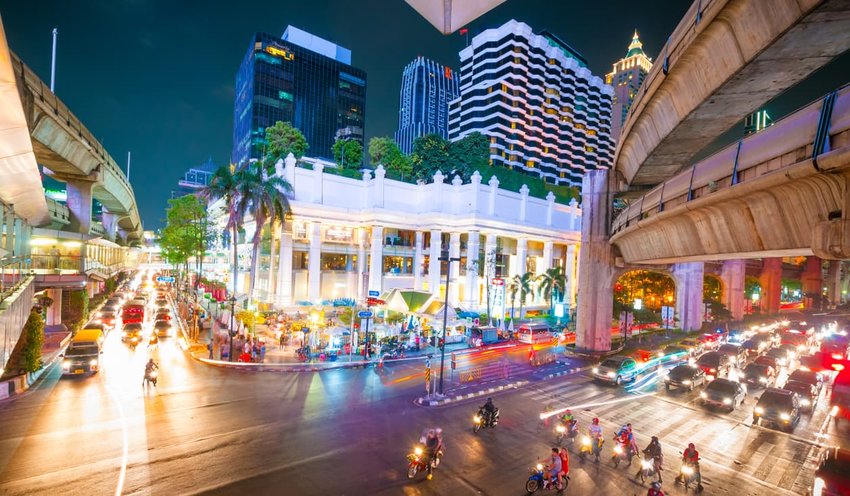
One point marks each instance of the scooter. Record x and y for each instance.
(647, 469)
(588, 448)
(418, 462)
(687, 474)
(537, 481)
(622, 452)
(482, 419)
(133, 343)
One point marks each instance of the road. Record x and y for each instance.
(218, 431)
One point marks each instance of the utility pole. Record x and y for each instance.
(446, 258)
(53, 62)
(128, 166)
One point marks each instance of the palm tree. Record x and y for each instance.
(266, 199)
(551, 284)
(524, 283)
(512, 287)
(223, 185)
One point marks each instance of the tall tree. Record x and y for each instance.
(469, 154)
(348, 153)
(551, 285)
(385, 151)
(266, 199)
(223, 186)
(430, 154)
(283, 139)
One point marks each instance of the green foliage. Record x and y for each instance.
(34, 336)
(349, 173)
(711, 289)
(393, 317)
(111, 284)
(469, 154)
(79, 307)
(348, 153)
(187, 232)
(654, 289)
(386, 152)
(512, 180)
(283, 139)
(552, 284)
(751, 285)
(430, 154)
(719, 312)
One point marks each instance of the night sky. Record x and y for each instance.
(156, 76)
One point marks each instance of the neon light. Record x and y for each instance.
(280, 52)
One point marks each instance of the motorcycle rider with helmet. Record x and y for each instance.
(691, 457)
(149, 367)
(653, 451)
(490, 411)
(655, 489)
(595, 434)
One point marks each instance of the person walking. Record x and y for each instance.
(262, 352)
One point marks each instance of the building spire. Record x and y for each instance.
(635, 47)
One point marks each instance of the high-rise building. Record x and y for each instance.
(535, 99)
(194, 179)
(426, 90)
(301, 79)
(626, 77)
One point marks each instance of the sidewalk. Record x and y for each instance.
(55, 342)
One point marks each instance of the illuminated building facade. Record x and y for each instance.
(535, 99)
(301, 79)
(626, 77)
(426, 90)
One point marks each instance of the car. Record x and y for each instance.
(836, 346)
(723, 393)
(161, 302)
(107, 318)
(798, 339)
(808, 394)
(754, 347)
(791, 351)
(759, 374)
(162, 315)
(832, 477)
(684, 376)
(809, 377)
(114, 301)
(95, 324)
(737, 336)
(737, 355)
(778, 407)
(131, 330)
(714, 363)
(767, 360)
(693, 346)
(711, 341)
(674, 353)
(162, 328)
(616, 369)
(780, 355)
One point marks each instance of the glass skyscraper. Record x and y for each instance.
(301, 79)
(426, 90)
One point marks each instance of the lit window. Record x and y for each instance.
(513, 125)
(529, 164)
(493, 139)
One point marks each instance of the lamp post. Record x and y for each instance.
(445, 258)
(232, 331)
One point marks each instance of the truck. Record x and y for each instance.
(481, 335)
(83, 353)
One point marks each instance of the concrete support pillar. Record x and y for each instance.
(271, 276)
(596, 259)
(284, 269)
(812, 282)
(520, 263)
(434, 262)
(471, 292)
(79, 200)
(771, 285)
(454, 268)
(376, 262)
(361, 264)
(418, 259)
(689, 307)
(571, 270)
(54, 312)
(834, 282)
(314, 263)
(546, 261)
(110, 224)
(732, 275)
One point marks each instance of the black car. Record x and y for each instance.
(723, 393)
(778, 407)
(808, 394)
(832, 477)
(684, 376)
(780, 355)
(714, 363)
(162, 328)
(809, 377)
(737, 355)
(759, 375)
(754, 347)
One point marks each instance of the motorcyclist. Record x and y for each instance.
(595, 434)
(626, 438)
(432, 445)
(691, 457)
(554, 467)
(655, 489)
(149, 367)
(653, 451)
(490, 411)
(567, 417)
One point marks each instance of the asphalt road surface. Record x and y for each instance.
(347, 432)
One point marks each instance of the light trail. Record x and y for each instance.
(546, 415)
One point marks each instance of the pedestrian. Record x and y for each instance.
(281, 341)
(210, 347)
(263, 352)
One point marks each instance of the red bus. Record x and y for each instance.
(132, 313)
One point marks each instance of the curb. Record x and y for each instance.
(279, 367)
(20, 384)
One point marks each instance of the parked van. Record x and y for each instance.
(83, 354)
(534, 333)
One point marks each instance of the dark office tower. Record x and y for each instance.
(301, 79)
(426, 90)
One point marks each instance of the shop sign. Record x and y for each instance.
(339, 234)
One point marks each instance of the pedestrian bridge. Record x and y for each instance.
(71, 154)
(779, 192)
(724, 60)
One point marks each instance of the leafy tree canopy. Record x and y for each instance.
(348, 153)
(385, 151)
(284, 139)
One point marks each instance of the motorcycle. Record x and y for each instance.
(418, 462)
(647, 469)
(588, 448)
(483, 419)
(566, 431)
(622, 452)
(537, 481)
(150, 377)
(687, 474)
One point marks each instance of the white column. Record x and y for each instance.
(571, 271)
(546, 261)
(454, 252)
(418, 257)
(314, 263)
(376, 262)
(519, 266)
(434, 262)
(689, 281)
(361, 263)
(471, 292)
(272, 277)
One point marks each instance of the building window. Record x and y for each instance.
(398, 265)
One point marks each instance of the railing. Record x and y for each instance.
(58, 264)
(58, 211)
(13, 273)
(739, 162)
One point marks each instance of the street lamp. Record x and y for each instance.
(445, 258)
(232, 330)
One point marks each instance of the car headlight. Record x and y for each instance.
(727, 401)
(759, 410)
(686, 382)
(66, 364)
(93, 363)
(763, 380)
(805, 402)
(417, 451)
(539, 467)
(818, 487)
(595, 370)
(784, 416)
(703, 395)
(610, 374)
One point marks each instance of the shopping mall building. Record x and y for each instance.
(348, 236)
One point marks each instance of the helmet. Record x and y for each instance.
(654, 439)
(489, 400)
(431, 432)
(692, 446)
(595, 420)
(568, 412)
(656, 485)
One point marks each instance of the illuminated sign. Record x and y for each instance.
(280, 52)
(448, 73)
(339, 234)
